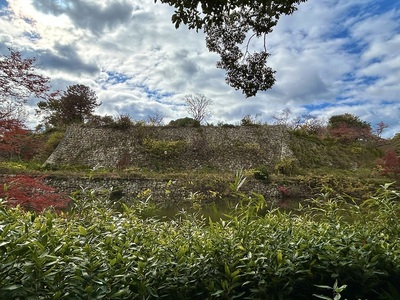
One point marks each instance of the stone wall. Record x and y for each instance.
(161, 148)
(174, 191)
(172, 149)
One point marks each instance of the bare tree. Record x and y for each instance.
(308, 122)
(249, 120)
(380, 127)
(198, 106)
(283, 117)
(156, 118)
(19, 80)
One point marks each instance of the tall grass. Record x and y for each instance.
(106, 250)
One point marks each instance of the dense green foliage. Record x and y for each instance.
(102, 250)
(313, 152)
(75, 105)
(185, 122)
(166, 149)
(395, 142)
(262, 173)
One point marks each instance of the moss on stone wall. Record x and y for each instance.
(179, 148)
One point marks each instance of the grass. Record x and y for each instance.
(98, 251)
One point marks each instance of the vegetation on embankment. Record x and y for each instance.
(343, 161)
(200, 186)
(314, 153)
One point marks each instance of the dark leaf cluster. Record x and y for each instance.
(185, 122)
(348, 127)
(227, 24)
(75, 105)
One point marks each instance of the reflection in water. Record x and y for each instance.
(216, 210)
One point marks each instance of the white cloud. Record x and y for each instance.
(336, 52)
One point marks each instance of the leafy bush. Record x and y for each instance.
(390, 164)
(98, 252)
(262, 173)
(122, 122)
(48, 142)
(53, 141)
(348, 127)
(185, 122)
(100, 121)
(161, 148)
(225, 125)
(16, 141)
(286, 166)
(248, 120)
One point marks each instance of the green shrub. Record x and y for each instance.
(122, 122)
(163, 148)
(286, 166)
(248, 120)
(262, 173)
(100, 121)
(185, 122)
(50, 141)
(225, 125)
(53, 141)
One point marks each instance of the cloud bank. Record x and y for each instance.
(331, 57)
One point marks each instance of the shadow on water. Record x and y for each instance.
(215, 210)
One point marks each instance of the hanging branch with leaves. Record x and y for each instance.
(227, 24)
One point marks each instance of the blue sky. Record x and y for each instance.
(331, 57)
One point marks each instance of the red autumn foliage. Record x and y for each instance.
(346, 133)
(390, 164)
(380, 127)
(348, 128)
(32, 194)
(15, 140)
(284, 191)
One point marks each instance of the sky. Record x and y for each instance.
(331, 57)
